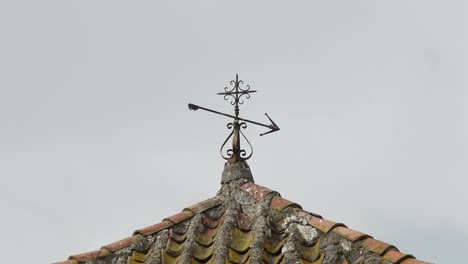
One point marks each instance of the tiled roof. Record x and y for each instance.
(245, 223)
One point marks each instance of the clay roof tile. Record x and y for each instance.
(146, 231)
(396, 256)
(179, 217)
(205, 205)
(70, 261)
(377, 246)
(413, 261)
(279, 204)
(113, 247)
(243, 225)
(324, 225)
(257, 191)
(350, 234)
(90, 255)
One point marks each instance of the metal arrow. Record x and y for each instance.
(273, 125)
(235, 93)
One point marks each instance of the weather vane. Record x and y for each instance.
(236, 153)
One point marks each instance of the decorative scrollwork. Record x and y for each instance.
(247, 88)
(237, 95)
(234, 99)
(243, 153)
(236, 92)
(230, 151)
(227, 154)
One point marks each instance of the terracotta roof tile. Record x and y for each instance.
(90, 255)
(179, 217)
(205, 205)
(146, 231)
(212, 223)
(243, 231)
(279, 204)
(396, 256)
(312, 214)
(377, 246)
(324, 225)
(257, 191)
(350, 234)
(243, 221)
(70, 261)
(413, 261)
(122, 243)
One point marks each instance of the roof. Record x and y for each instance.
(245, 223)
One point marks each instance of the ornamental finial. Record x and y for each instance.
(235, 94)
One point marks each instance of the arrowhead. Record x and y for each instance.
(274, 127)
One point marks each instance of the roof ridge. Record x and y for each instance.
(269, 200)
(385, 250)
(141, 233)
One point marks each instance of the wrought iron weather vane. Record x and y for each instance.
(235, 93)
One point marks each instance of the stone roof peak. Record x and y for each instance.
(239, 170)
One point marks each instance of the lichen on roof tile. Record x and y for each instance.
(278, 203)
(245, 223)
(204, 205)
(257, 191)
(146, 231)
(350, 234)
(90, 255)
(396, 256)
(323, 224)
(377, 246)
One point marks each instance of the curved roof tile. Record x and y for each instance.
(241, 231)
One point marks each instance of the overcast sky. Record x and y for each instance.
(96, 139)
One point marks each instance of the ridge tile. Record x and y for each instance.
(413, 261)
(377, 246)
(113, 247)
(179, 217)
(70, 261)
(279, 204)
(396, 256)
(205, 205)
(323, 224)
(149, 230)
(83, 257)
(350, 234)
(257, 191)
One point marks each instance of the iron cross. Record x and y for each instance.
(236, 92)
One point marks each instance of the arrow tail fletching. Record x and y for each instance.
(193, 107)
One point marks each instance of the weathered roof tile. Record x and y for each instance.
(396, 256)
(117, 245)
(257, 191)
(377, 246)
(179, 217)
(90, 255)
(279, 204)
(146, 231)
(350, 234)
(205, 205)
(324, 225)
(241, 232)
(70, 261)
(413, 261)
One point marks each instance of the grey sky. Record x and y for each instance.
(96, 139)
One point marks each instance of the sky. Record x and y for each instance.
(96, 139)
